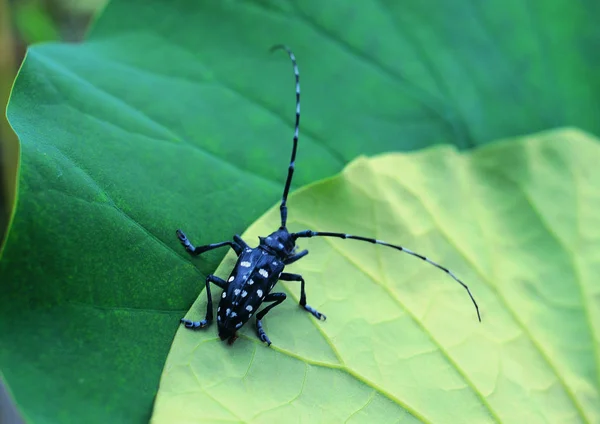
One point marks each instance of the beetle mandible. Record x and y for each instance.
(258, 269)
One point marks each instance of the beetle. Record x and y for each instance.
(258, 269)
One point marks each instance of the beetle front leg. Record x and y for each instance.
(285, 276)
(295, 257)
(195, 251)
(209, 307)
(271, 297)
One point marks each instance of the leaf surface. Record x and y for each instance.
(174, 115)
(516, 220)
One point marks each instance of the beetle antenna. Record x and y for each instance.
(309, 233)
(288, 181)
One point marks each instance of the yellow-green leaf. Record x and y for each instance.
(517, 220)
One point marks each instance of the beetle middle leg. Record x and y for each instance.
(209, 307)
(285, 276)
(271, 297)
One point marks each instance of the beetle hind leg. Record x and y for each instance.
(277, 298)
(193, 325)
(297, 277)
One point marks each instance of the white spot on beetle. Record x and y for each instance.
(236, 291)
(224, 295)
(227, 312)
(263, 273)
(218, 317)
(250, 282)
(245, 264)
(259, 292)
(238, 325)
(248, 250)
(249, 308)
(233, 314)
(274, 262)
(231, 278)
(280, 245)
(219, 309)
(244, 293)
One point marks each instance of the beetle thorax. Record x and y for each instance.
(279, 242)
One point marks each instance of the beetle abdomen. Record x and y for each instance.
(254, 275)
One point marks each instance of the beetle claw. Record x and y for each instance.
(194, 324)
(261, 333)
(314, 312)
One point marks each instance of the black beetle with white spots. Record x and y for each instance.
(258, 269)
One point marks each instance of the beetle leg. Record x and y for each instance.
(209, 307)
(295, 257)
(195, 251)
(285, 276)
(271, 297)
(238, 240)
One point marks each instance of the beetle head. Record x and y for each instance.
(280, 242)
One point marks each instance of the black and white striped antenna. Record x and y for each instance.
(288, 181)
(309, 233)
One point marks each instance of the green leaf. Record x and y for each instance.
(175, 115)
(517, 220)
